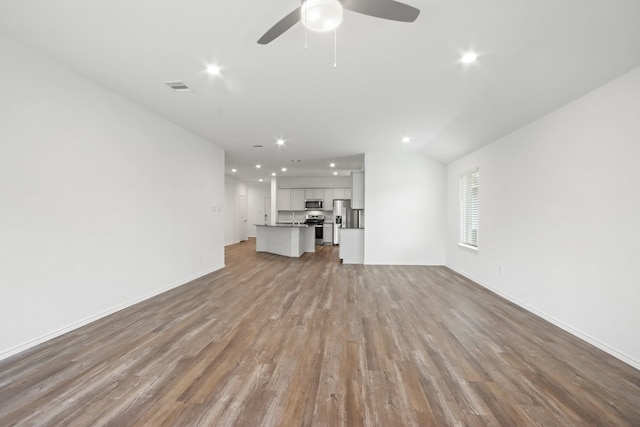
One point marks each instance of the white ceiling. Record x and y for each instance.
(393, 79)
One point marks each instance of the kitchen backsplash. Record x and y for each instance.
(287, 216)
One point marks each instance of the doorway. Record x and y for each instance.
(242, 214)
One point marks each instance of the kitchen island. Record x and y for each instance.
(287, 240)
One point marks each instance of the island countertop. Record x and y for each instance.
(287, 225)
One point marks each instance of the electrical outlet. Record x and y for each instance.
(500, 271)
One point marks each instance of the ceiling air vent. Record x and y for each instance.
(178, 86)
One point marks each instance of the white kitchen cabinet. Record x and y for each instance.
(314, 193)
(357, 187)
(338, 193)
(327, 233)
(297, 199)
(284, 199)
(328, 199)
(347, 193)
(352, 245)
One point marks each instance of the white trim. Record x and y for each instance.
(612, 351)
(86, 321)
(468, 247)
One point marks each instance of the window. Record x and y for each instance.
(469, 209)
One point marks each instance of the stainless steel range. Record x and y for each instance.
(316, 221)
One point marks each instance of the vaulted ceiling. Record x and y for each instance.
(392, 79)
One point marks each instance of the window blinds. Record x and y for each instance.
(469, 208)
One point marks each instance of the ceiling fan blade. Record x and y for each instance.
(281, 26)
(386, 9)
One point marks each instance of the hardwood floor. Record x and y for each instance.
(273, 341)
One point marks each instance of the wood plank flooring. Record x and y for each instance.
(273, 341)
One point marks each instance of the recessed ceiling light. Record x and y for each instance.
(260, 180)
(273, 174)
(213, 70)
(280, 142)
(469, 57)
(332, 165)
(406, 139)
(234, 170)
(284, 169)
(335, 173)
(258, 166)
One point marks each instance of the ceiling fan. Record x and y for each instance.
(311, 14)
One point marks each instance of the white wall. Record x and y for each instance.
(560, 212)
(102, 203)
(233, 188)
(405, 209)
(257, 193)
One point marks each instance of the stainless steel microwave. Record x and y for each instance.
(313, 205)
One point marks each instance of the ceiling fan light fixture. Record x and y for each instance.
(321, 15)
(469, 58)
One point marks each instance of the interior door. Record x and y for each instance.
(243, 213)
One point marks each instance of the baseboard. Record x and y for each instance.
(86, 321)
(602, 346)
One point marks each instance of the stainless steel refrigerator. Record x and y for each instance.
(343, 217)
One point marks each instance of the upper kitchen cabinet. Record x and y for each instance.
(284, 199)
(297, 199)
(293, 199)
(314, 194)
(328, 199)
(338, 193)
(357, 189)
